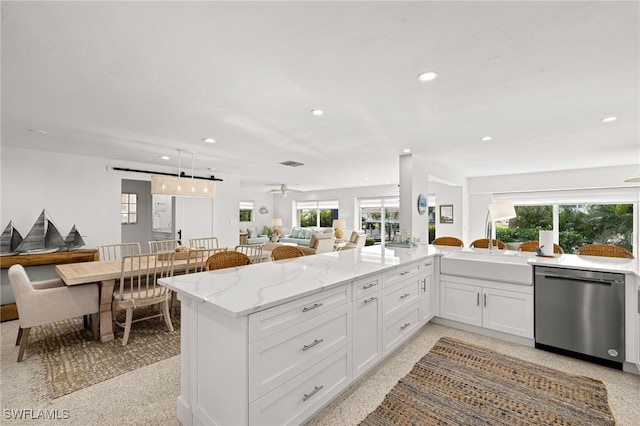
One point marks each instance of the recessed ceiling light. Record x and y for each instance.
(609, 119)
(366, 178)
(427, 76)
(486, 138)
(317, 112)
(42, 132)
(209, 140)
(406, 150)
(165, 157)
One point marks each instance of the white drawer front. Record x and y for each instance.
(400, 273)
(426, 264)
(271, 321)
(296, 400)
(276, 359)
(398, 328)
(366, 286)
(397, 297)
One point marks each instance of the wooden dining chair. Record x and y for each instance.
(448, 241)
(606, 250)
(118, 251)
(253, 251)
(226, 259)
(139, 288)
(534, 244)
(286, 252)
(164, 245)
(484, 243)
(205, 243)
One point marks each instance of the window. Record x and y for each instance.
(582, 224)
(530, 220)
(317, 213)
(128, 208)
(246, 211)
(380, 218)
(432, 217)
(579, 217)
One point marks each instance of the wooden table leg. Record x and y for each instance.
(106, 319)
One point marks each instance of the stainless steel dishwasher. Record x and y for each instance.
(580, 313)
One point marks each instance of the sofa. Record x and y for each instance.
(302, 236)
(254, 238)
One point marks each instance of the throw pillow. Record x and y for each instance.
(296, 233)
(307, 234)
(253, 232)
(313, 241)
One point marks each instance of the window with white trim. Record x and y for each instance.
(317, 213)
(380, 217)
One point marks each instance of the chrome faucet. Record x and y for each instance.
(489, 226)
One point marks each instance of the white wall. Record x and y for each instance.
(73, 189)
(448, 195)
(85, 191)
(260, 199)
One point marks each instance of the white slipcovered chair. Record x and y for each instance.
(44, 302)
(356, 240)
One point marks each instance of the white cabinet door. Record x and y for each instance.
(461, 302)
(367, 333)
(426, 291)
(508, 311)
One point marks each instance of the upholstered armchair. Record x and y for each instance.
(319, 243)
(49, 301)
(356, 240)
(254, 238)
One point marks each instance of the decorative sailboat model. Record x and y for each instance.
(43, 237)
(10, 240)
(74, 239)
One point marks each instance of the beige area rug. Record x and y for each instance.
(457, 383)
(72, 360)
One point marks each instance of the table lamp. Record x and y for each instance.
(338, 224)
(277, 223)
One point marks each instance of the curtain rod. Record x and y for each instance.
(182, 174)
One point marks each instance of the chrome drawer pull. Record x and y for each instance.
(315, 390)
(424, 286)
(312, 344)
(315, 305)
(369, 285)
(405, 272)
(485, 300)
(405, 295)
(405, 326)
(371, 299)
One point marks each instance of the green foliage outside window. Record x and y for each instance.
(580, 224)
(246, 215)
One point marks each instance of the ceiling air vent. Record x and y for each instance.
(291, 163)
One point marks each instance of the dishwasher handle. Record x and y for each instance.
(580, 278)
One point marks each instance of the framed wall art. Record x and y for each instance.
(446, 213)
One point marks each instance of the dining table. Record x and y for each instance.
(105, 273)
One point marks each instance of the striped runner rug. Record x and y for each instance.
(457, 383)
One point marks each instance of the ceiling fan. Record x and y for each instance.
(284, 190)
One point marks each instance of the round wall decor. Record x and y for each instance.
(422, 204)
(263, 210)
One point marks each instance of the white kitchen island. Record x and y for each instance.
(273, 343)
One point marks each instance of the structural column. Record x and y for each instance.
(414, 181)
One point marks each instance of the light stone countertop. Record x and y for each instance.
(244, 290)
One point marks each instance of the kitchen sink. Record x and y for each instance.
(510, 267)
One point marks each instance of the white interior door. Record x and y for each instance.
(194, 218)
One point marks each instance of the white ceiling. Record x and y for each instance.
(130, 81)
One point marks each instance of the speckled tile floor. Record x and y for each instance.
(147, 396)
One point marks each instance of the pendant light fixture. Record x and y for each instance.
(181, 185)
